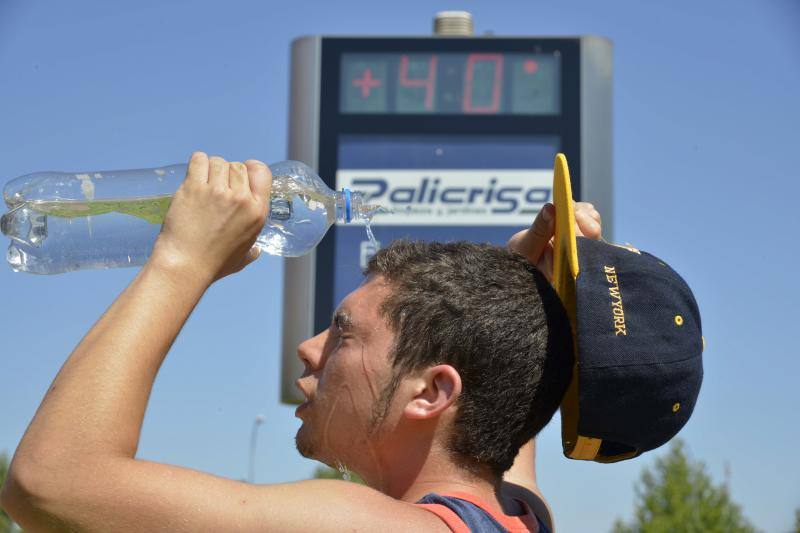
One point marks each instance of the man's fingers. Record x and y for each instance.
(253, 254)
(545, 264)
(532, 241)
(260, 179)
(587, 223)
(595, 214)
(197, 170)
(218, 170)
(237, 177)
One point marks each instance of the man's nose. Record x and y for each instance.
(310, 351)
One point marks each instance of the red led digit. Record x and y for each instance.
(429, 83)
(367, 83)
(494, 107)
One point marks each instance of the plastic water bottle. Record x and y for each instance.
(60, 222)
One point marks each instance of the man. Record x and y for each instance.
(431, 383)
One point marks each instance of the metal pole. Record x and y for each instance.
(253, 437)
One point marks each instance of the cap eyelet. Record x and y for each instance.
(676, 407)
(679, 320)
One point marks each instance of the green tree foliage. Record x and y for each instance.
(5, 520)
(797, 520)
(6, 524)
(678, 495)
(324, 472)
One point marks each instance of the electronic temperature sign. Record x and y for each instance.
(451, 83)
(457, 135)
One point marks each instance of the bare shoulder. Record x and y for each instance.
(332, 505)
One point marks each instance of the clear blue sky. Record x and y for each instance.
(706, 157)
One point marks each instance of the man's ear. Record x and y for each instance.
(435, 389)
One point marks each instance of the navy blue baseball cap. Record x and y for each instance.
(637, 338)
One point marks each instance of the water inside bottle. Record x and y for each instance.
(47, 237)
(152, 209)
(53, 236)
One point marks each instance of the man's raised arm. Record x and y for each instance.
(75, 468)
(535, 244)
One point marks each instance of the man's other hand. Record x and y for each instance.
(536, 242)
(215, 217)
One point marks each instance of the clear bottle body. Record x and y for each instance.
(60, 222)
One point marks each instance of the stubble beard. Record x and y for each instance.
(304, 439)
(303, 443)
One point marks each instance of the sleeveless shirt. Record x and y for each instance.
(465, 513)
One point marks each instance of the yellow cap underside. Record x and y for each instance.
(565, 272)
(565, 256)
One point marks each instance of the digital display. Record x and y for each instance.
(451, 83)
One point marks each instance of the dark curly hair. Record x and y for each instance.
(497, 320)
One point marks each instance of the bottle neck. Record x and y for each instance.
(348, 206)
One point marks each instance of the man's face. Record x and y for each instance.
(347, 367)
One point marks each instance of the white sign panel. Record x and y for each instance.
(452, 197)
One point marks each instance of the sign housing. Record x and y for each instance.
(456, 134)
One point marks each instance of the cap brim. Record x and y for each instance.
(565, 272)
(565, 253)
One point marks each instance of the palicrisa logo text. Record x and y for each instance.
(501, 200)
(453, 197)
